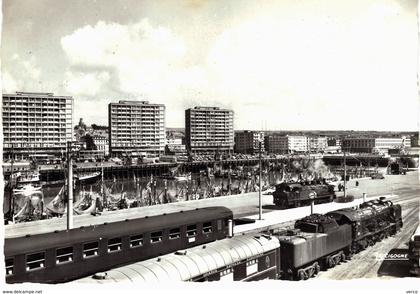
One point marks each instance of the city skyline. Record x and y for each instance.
(280, 65)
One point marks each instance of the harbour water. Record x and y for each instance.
(154, 190)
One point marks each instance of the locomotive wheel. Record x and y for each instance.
(337, 260)
(317, 268)
(330, 262)
(302, 275)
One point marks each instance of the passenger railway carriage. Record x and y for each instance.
(67, 255)
(241, 258)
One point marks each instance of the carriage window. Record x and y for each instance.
(226, 275)
(64, 255)
(90, 249)
(35, 261)
(251, 267)
(191, 230)
(219, 224)
(136, 241)
(114, 245)
(207, 228)
(9, 266)
(174, 234)
(156, 237)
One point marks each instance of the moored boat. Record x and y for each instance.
(87, 177)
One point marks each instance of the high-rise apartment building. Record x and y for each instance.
(36, 125)
(286, 144)
(249, 142)
(317, 144)
(209, 129)
(136, 126)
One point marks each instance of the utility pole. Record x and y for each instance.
(104, 200)
(69, 187)
(260, 188)
(11, 184)
(345, 173)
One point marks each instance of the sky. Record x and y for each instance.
(280, 65)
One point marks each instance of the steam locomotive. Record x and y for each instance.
(62, 256)
(317, 242)
(397, 168)
(290, 195)
(322, 241)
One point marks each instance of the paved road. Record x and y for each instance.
(371, 263)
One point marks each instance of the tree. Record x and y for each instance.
(90, 144)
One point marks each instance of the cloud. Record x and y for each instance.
(312, 67)
(87, 84)
(25, 75)
(137, 61)
(135, 58)
(9, 83)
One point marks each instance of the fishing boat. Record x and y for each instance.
(86, 203)
(28, 206)
(87, 177)
(183, 178)
(30, 177)
(57, 206)
(26, 189)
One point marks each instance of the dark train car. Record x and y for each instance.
(289, 195)
(317, 242)
(372, 222)
(241, 258)
(414, 252)
(67, 255)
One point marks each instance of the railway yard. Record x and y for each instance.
(386, 259)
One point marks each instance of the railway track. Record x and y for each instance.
(369, 263)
